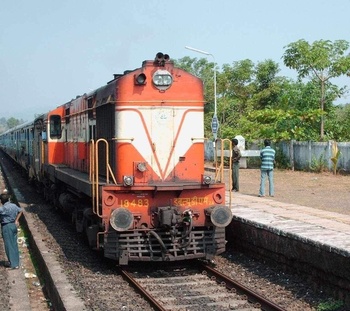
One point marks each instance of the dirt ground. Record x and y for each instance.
(324, 191)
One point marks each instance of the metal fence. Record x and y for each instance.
(301, 155)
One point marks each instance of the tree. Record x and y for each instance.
(204, 70)
(267, 83)
(234, 92)
(252, 100)
(340, 123)
(322, 61)
(12, 122)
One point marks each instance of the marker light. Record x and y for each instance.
(140, 79)
(206, 180)
(128, 180)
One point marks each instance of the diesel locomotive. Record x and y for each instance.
(126, 161)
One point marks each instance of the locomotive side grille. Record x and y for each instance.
(138, 246)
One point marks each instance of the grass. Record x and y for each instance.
(331, 305)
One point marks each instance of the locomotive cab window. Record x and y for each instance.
(55, 127)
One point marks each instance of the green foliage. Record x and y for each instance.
(330, 305)
(253, 101)
(338, 124)
(318, 165)
(321, 61)
(203, 69)
(335, 160)
(322, 58)
(280, 125)
(6, 124)
(253, 162)
(3, 125)
(282, 161)
(12, 122)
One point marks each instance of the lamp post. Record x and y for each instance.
(214, 122)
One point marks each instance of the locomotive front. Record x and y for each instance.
(161, 206)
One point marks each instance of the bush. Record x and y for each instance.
(318, 165)
(281, 160)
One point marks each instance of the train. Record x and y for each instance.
(126, 163)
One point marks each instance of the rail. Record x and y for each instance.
(140, 289)
(159, 288)
(252, 296)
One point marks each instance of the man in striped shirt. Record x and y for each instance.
(267, 156)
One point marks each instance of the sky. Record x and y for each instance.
(52, 51)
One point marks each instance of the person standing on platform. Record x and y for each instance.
(236, 155)
(10, 214)
(267, 156)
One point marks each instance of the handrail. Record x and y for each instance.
(230, 165)
(92, 177)
(94, 172)
(219, 169)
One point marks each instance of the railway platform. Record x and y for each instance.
(312, 240)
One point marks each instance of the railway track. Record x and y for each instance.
(194, 287)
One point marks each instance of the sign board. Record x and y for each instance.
(215, 126)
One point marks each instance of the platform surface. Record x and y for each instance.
(327, 229)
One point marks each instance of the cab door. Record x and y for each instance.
(38, 145)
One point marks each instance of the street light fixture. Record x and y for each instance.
(215, 122)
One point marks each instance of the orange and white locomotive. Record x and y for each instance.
(127, 162)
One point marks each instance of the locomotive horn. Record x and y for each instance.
(159, 57)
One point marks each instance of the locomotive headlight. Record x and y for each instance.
(162, 79)
(220, 215)
(128, 180)
(121, 219)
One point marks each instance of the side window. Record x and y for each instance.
(55, 127)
